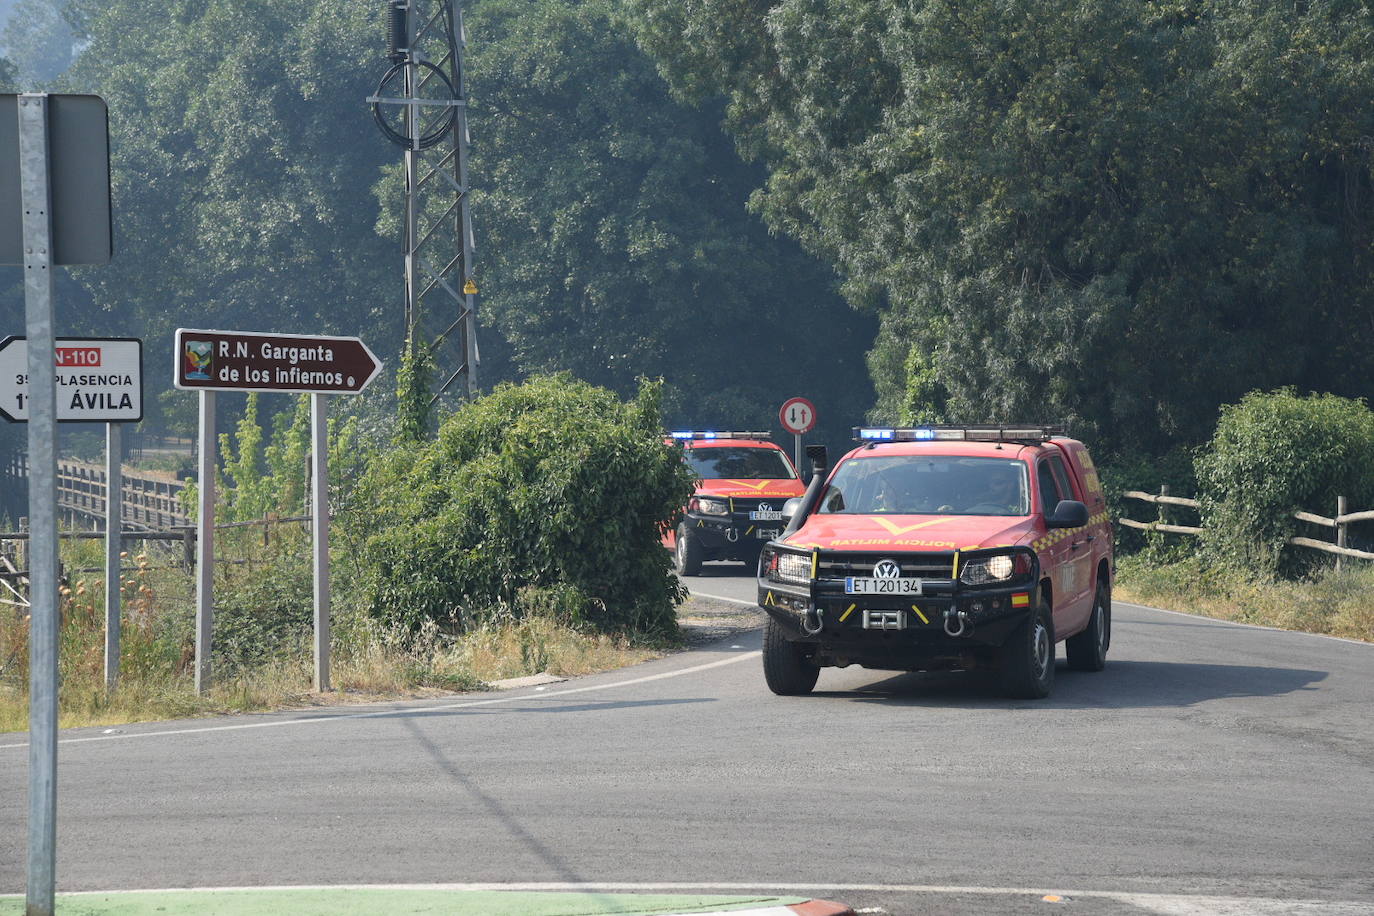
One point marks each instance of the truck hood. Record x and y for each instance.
(912, 532)
(756, 489)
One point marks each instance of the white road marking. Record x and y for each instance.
(409, 710)
(1162, 904)
(723, 598)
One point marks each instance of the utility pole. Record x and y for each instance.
(421, 106)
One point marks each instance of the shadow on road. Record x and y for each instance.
(1123, 685)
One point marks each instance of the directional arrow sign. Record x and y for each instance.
(249, 361)
(99, 380)
(798, 415)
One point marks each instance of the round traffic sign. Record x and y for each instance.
(798, 415)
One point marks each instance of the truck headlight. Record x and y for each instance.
(987, 570)
(793, 568)
(712, 506)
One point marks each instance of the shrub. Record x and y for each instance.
(554, 487)
(1274, 453)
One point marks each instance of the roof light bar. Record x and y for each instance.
(1009, 433)
(682, 435)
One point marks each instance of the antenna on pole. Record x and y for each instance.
(421, 106)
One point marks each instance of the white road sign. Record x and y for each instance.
(99, 380)
(798, 415)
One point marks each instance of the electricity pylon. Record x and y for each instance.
(421, 106)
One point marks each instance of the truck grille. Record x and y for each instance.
(914, 565)
(750, 504)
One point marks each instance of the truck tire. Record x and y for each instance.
(786, 670)
(1087, 651)
(1026, 659)
(687, 552)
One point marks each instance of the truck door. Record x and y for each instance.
(1070, 553)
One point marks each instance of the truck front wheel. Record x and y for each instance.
(787, 671)
(1027, 658)
(687, 553)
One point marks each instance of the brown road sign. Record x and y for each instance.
(249, 361)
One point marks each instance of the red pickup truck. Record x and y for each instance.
(942, 548)
(743, 480)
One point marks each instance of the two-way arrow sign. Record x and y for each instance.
(249, 361)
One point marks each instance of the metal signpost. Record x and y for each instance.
(54, 210)
(797, 415)
(209, 361)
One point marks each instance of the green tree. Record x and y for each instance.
(615, 242)
(1122, 215)
(38, 41)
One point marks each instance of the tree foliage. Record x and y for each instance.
(252, 190)
(1120, 214)
(553, 484)
(616, 240)
(1275, 453)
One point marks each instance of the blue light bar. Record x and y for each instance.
(1010, 433)
(683, 435)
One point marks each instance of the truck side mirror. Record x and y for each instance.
(790, 507)
(1070, 513)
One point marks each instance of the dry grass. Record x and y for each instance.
(1333, 603)
(370, 663)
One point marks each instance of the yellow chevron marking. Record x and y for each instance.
(848, 612)
(751, 528)
(920, 615)
(893, 528)
(768, 600)
(751, 486)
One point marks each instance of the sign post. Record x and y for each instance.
(209, 361)
(54, 210)
(42, 405)
(319, 525)
(114, 522)
(797, 415)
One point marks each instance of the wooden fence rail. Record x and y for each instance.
(1340, 522)
(12, 573)
(148, 501)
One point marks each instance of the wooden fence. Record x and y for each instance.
(1339, 523)
(14, 555)
(151, 501)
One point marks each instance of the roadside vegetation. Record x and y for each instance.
(1272, 454)
(523, 540)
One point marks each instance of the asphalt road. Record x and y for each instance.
(1212, 768)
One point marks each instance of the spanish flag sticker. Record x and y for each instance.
(1020, 599)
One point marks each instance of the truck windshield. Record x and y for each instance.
(938, 485)
(739, 463)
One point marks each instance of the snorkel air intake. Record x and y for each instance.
(820, 465)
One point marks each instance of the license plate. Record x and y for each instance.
(766, 515)
(856, 586)
(767, 534)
